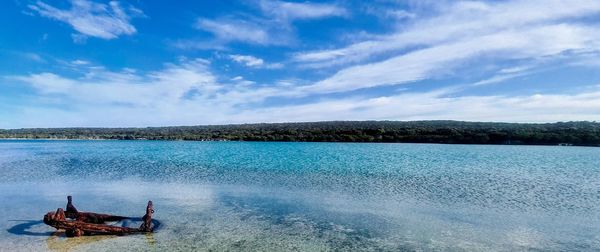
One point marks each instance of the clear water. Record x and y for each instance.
(306, 196)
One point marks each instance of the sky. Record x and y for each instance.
(92, 63)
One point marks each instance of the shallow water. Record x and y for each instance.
(306, 196)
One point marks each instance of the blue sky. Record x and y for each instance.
(85, 63)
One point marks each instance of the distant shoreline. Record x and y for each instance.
(436, 132)
(177, 140)
(57, 139)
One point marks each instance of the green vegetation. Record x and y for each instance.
(451, 132)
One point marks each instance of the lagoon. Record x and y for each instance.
(306, 196)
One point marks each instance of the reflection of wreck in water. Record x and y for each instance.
(58, 240)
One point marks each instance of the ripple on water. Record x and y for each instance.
(317, 196)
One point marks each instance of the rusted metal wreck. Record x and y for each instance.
(76, 223)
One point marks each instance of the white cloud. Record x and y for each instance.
(506, 74)
(177, 94)
(458, 21)
(292, 11)
(247, 60)
(33, 57)
(226, 30)
(435, 106)
(102, 87)
(426, 63)
(79, 38)
(388, 14)
(251, 61)
(80, 62)
(400, 14)
(589, 61)
(106, 21)
(461, 36)
(465, 32)
(274, 27)
(415, 106)
(240, 81)
(188, 93)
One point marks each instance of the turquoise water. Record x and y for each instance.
(306, 196)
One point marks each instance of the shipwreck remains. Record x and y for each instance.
(76, 223)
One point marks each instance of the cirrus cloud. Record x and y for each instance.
(106, 21)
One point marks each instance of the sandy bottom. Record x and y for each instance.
(209, 217)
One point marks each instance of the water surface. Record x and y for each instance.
(306, 196)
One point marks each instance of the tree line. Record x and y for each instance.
(449, 132)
